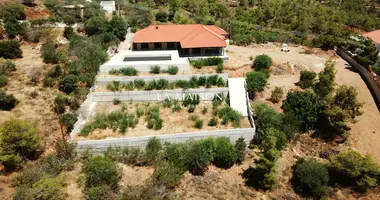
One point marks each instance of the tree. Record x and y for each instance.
(96, 25)
(10, 49)
(326, 78)
(369, 55)
(225, 153)
(198, 158)
(14, 28)
(19, 140)
(241, 148)
(262, 62)
(305, 106)
(311, 178)
(307, 79)
(352, 169)
(256, 82)
(68, 84)
(162, 16)
(12, 10)
(100, 170)
(118, 27)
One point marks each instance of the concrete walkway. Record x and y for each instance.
(238, 100)
(126, 44)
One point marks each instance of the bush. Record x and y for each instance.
(224, 153)
(139, 83)
(18, 140)
(256, 82)
(68, 84)
(162, 16)
(198, 158)
(311, 178)
(118, 27)
(68, 120)
(152, 150)
(6, 66)
(7, 101)
(53, 165)
(155, 69)
(191, 99)
(219, 68)
(103, 192)
(68, 32)
(167, 174)
(60, 103)
(49, 53)
(326, 78)
(277, 94)
(228, 114)
(14, 28)
(305, 106)
(349, 168)
(3, 81)
(198, 124)
(307, 79)
(129, 71)
(213, 122)
(10, 49)
(206, 62)
(100, 170)
(13, 11)
(96, 25)
(49, 188)
(262, 62)
(172, 70)
(240, 147)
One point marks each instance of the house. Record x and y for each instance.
(375, 37)
(108, 6)
(191, 40)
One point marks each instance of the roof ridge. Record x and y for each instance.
(219, 36)
(191, 33)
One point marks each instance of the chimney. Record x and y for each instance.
(156, 27)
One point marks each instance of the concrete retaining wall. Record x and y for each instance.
(365, 74)
(157, 95)
(101, 81)
(141, 142)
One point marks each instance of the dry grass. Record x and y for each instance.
(174, 122)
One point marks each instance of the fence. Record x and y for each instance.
(365, 74)
(158, 95)
(101, 81)
(141, 142)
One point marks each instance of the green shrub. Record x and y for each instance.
(277, 94)
(219, 68)
(49, 188)
(183, 84)
(256, 82)
(191, 108)
(3, 81)
(176, 107)
(305, 106)
(151, 85)
(60, 103)
(14, 28)
(155, 69)
(6, 66)
(19, 140)
(173, 70)
(13, 10)
(139, 83)
(49, 53)
(152, 150)
(204, 110)
(191, 99)
(68, 120)
(213, 122)
(153, 118)
(206, 62)
(129, 71)
(100, 170)
(262, 62)
(224, 153)
(55, 72)
(241, 149)
(311, 178)
(198, 158)
(68, 32)
(162, 16)
(115, 86)
(7, 101)
(53, 165)
(198, 124)
(102, 192)
(68, 84)
(349, 168)
(228, 114)
(167, 174)
(10, 49)
(307, 79)
(162, 84)
(326, 78)
(96, 25)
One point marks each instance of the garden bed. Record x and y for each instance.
(140, 119)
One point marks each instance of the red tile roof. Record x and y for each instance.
(374, 35)
(188, 35)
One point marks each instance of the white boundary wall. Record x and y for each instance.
(157, 95)
(141, 142)
(101, 81)
(117, 61)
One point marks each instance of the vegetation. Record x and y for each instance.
(10, 49)
(206, 62)
(129, 71)
(369, 55)
(15, 28)
(277, 94)
(224, 153)
(241, 148)
(7, 101)
(256, 82)
(326, 78)
(19, 141)
(311, 178)
(172, 70)
(68, 84)
(155, 69)
(262, 62)
(49, 53)
(307, 79)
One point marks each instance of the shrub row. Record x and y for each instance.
(129, 71)
(163, 84)
(206, 62)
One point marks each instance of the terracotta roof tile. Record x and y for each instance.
(189, 35)
(374, 35)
